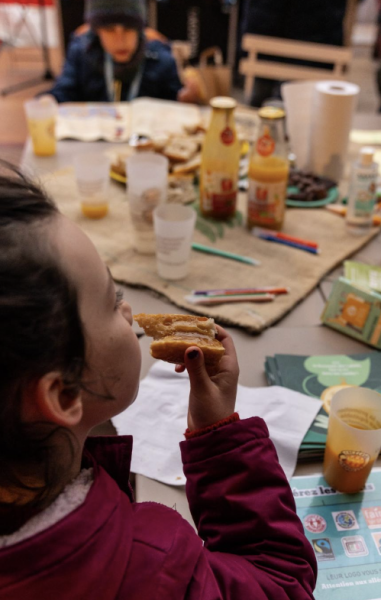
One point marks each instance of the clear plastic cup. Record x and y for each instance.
(174, 226)
(147, 181)
(41, 114)
(92, 172)
(354, 438)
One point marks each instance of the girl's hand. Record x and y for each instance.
(212, 397)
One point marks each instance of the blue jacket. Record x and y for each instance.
(83, 80)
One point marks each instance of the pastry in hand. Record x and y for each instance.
(173, 334)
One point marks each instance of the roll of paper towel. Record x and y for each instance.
(333, 106)
(319, 118)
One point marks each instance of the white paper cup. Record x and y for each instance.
(41, 114)
(147, 181)
(92, 172)
(174, 225)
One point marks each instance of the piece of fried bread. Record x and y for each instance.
(173, 334)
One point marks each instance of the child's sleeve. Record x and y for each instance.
(66, 87)
(169, 77)
(244, 511)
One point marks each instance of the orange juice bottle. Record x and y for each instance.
(220, 162)
(268, 172)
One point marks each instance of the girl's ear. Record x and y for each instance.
(54, 402)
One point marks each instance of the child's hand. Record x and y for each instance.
(211, 398)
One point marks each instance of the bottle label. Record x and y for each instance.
(266, 202)
(227, 136)
(219, 193)
(265, 145)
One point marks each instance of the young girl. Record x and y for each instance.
(69, 527)
(113, 61)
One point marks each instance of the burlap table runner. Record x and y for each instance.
(280, 265)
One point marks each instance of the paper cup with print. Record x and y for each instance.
(92, 172)
(354, 438)
(41, 114)
(174, 226)
(147, 181)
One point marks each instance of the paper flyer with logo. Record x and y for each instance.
(345, 533)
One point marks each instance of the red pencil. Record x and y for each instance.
(285, 237)
(291, 238)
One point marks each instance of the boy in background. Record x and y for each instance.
(113, 61)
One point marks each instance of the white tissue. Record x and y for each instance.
(158, 418)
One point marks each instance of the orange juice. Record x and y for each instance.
(346, 471)
(42, 132)
(94, 211)
(354, 438)
(268, 172)
(220, 162)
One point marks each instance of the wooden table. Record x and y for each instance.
(299, 332)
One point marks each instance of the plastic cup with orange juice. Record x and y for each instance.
(354, 438)
(92, 176)
(41, 114)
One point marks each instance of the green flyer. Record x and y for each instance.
(345, 533)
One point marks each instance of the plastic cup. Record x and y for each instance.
(174, 225)
(354, 438)
(41, 115)
(147, 180)
(92, 175)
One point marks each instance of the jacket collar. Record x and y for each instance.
(113, 453)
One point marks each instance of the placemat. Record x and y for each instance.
(280, 265)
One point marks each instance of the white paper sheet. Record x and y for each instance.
(158, 418)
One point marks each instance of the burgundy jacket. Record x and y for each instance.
(113, 548)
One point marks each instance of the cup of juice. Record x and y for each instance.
(92, 176)
(354, 438)
(41, 114)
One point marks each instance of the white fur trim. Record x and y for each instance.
(72, 496)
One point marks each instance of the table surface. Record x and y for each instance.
(299, 332)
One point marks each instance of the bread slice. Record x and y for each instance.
(180, 149)
(173, 334)
(188, 167)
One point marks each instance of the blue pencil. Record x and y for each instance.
(270, 238)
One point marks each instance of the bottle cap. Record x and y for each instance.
(224, 102)
(366, 156)
(271, 112)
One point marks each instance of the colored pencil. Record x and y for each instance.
(239, 291)
(284, 236)
(270, 238)
(209, 300)
(208, 250)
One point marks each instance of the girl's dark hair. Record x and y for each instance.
(40, 332)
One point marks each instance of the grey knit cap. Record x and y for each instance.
(100, 13)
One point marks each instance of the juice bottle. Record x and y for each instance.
(268, 172)
(220, 162)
